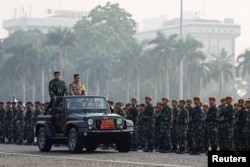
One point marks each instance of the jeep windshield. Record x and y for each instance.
(85, 105)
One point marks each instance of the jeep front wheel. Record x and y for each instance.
(124, 145)
(74, 142)
(44, 142)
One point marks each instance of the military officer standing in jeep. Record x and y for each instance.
(76, 87)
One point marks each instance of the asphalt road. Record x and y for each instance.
(30, 156)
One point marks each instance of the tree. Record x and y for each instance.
(244, 66)
(222, 69)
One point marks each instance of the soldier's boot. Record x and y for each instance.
(197, 151)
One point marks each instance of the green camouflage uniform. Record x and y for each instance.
(8, 122)
(28, 119)
(2, 131)
(227, 123)
(157, 130)
(120, 112)
(220, 133)
(241, 129)
(212, 122)
(204, 141)
(166, 120)
(148, 119)
(141, 141)
(190, 133)
(133, 116)
(19, 126)
(14, 124)
(173, 131)
(182, 125)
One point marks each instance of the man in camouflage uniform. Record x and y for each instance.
(182, 125)
(2, 129)
(8, 122)
(248, 125)
(148, 125)
(141, 141)
(19, 123)
(157, 129)
(166, 120)
(222, 108)
(227, 125)
(190, 134)
(173, 131)
(14, 109)
(241, 127)
(212, 124)
(196, 124)
(57, 89)
(205, 143)
(133, 116)
(118, 109)
(28, 119)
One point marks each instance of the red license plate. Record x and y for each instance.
(107, 124)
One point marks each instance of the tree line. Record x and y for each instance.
(102, 47)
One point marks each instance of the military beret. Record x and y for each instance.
(1, 102)
(182, 101)
(76, 75)
(229, 97)
(148, 97)
(176, 101)
(57, 72)
(212, 98)
(8, 102)
(197, 98)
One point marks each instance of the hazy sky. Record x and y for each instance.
(143, 9)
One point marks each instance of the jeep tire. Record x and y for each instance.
(43, 141)
(124, 145)
(74, 142)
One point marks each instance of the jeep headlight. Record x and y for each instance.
(90, 121)
(119, 121)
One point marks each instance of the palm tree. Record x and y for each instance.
(61, 38)
(244, 66)
(222, 69)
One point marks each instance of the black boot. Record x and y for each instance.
(196, 151)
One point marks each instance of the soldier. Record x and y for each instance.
(212, 124)
(221, 112)
(190, 134)
(28, 119)
(241, 127)
(38, 110)
(133, 116)
(14, 109)
(182, 125)
(19, 123)
(8, 122)
(166, 120)
(148, 124)
(2, 129)
(118, 109)
(157, 129)
(111, 106)
(141, 143)
(227, 119)
(57, 89)
(173, 131)
(248, 125)
(196, 124)
(205, 143)
(76, 87)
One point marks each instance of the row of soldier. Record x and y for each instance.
(188, 125)
(17, 122)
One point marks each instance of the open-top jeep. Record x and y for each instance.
(83, 121)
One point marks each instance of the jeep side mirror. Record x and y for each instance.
(58, 110)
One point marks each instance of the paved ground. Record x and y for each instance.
(30, 156)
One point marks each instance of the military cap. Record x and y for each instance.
(128, 104)
(134, 99)
(37, 102)
(148, 97)
(182, 101)
(189, 100)
(57, 72)
(1, 102)
(212, 98)
(197, 98)
(142, 105)
(76, 75)
(8, 102)
(229, 97)
(223, 99)
(165, 98)
(176, 101)
(241, 101)
(29, 103)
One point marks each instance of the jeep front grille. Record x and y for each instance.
(99, 120)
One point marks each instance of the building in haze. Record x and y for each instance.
(214, 34)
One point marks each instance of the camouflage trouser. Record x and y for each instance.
(190, 138)
(173, 136)
(165, 143)
(205, 136)
(157, 137)
(226, 140)
(134, 139)
(29, 132)
(9, 132)
(197, 138)
(220, 135)
(212, 137)
(2, 133)
(148, 135)
(140, 140)
(240, 138)
(14, 132)
(181, 136)
(19, 132)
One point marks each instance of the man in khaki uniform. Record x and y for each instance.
(76, 87)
